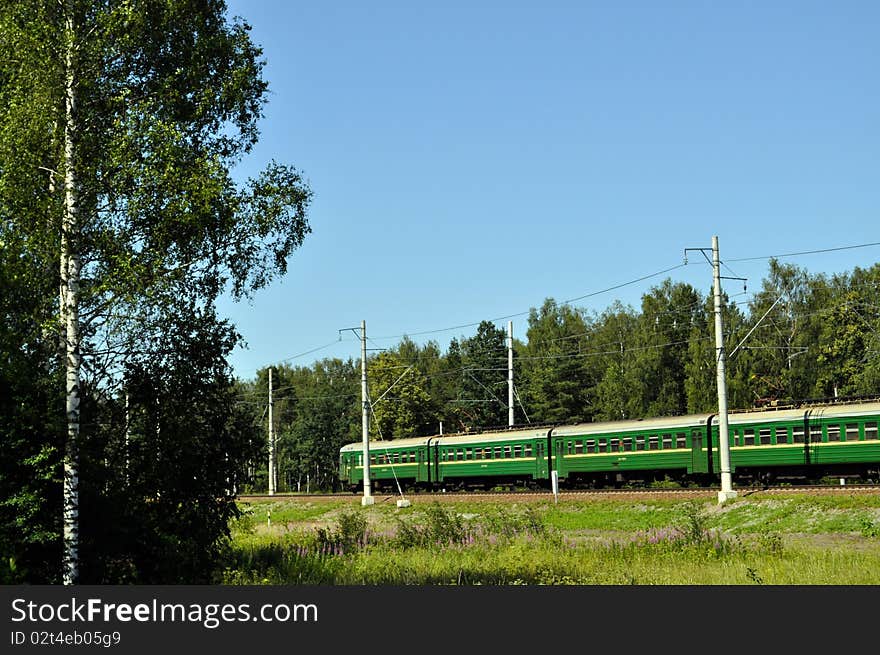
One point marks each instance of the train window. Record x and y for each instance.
(497, 452)
(781, 435)
(764, 435)
(578, 447)
(506, 452)
(570, 447)
(591, 446)
(627, 444)
(640, 443)
(815, 434)
(528, 450)
(468, 453)
(748, 437)
(871, 430)
(478, 453)
(667, 441)
(852, 432)
(680, 440)
(653, 443)
(615, 445)
(459, 454)
(798, 433)
(833, 432)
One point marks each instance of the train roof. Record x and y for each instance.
(386, 444)
(633, 425)
(842, 411)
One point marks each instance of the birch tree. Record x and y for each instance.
(121, 125)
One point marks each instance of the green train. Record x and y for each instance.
(805, 443)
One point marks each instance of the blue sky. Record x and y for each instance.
(470, 159)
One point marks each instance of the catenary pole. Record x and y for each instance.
(365, 419)
(510, 373)
(271, 441)
(727, 491)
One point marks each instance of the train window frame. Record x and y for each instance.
(798, 434)
(578, 447)
(748, 437)
(498, 453)
(667, 441)
(517, 451)
(627, 443)
(871, 433)
(569, 447)
(602, 445)
(816, 431)
(614, 445)
(851, 430)
(590, 446)
(833, 431)
(640, 443)
(507, 452)
(478, 453)
(654, 442)
(681, 440)
(468, 454)
(765, 436)
(528, 450)
(781, 435)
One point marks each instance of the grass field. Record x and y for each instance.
(760, 539)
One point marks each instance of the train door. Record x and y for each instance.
(350, 460)
(541, 470)
(813, 437)
(421, 465)
(560, 463)
(699, 458)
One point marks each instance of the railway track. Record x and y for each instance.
(690, 492)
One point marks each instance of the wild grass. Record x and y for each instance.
(748, 542)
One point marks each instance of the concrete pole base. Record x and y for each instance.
(403, 502)
(367, 500)
(724, 496)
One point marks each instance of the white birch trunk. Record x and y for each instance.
(70, 267)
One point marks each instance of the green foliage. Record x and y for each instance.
(443, 527)
(869, 527)
(167, 100)
(350, 533)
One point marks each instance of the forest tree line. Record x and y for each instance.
(802, 337)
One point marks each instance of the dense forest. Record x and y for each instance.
(801, 336)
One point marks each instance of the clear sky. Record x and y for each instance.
(470, 159)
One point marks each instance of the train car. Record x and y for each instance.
(805, 442)
(403, 461)
(840, 439)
